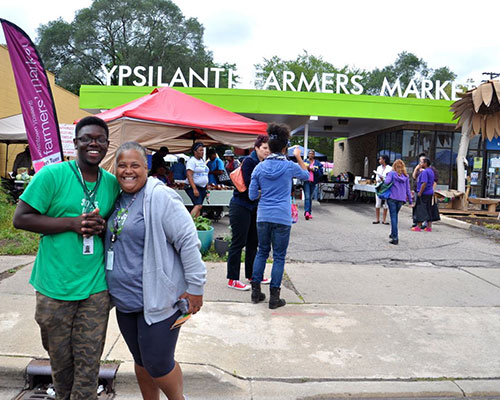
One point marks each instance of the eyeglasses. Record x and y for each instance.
(87, 139)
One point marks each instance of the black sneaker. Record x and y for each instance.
(394, 241)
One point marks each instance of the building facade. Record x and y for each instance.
(364, 127)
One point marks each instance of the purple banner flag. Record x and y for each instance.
(35, 96)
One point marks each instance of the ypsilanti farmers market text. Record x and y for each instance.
(323, 83)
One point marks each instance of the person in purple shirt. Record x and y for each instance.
(400, 194)
(425, 191)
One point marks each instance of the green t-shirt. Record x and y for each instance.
(61, 270)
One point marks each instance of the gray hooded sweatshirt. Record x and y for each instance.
(172, 261)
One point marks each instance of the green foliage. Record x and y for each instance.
(212, 256)
(202, 223)
(406, 67)
(322, 144)
(13, 241)
(123, 32)
(493, 226)
(305, 63)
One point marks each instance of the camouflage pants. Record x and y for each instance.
(73, 334)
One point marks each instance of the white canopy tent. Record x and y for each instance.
(12, 131)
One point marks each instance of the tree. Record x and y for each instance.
(122, 32)
(407, 67)
(306, 65)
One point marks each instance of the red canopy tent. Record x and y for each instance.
(167, 117)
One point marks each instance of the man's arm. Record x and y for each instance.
(30, 219)
(415, 171)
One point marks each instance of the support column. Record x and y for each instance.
(462, 154)
(306, 139)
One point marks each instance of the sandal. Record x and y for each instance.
(386, 223)
(376, 222)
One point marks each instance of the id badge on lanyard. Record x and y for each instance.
(88, 245)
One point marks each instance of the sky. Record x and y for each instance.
(365, 34)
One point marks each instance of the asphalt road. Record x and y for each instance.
(342, 232)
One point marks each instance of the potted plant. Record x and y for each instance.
(205, 232)
(222, 243)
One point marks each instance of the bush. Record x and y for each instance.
(14, 241)
(202, 223)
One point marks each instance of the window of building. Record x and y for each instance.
(408, 144)
(443, 157)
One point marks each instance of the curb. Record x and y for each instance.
(208, 382)
(12, 371)
(481, 230)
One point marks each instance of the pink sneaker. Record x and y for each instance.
(416, 229)
(307, 216)
(428, 229)
(233, 284)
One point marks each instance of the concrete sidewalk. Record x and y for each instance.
(347, 330)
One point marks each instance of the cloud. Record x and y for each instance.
(228, 30)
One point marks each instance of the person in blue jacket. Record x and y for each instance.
(315, 169)
(272, 181)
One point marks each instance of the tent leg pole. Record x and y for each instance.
(6, 159)
(306, 140)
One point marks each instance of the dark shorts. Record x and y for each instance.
(197, 201)
(152, 346)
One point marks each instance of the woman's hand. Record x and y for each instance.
(196, 192)
(296, 152)
(195, 302)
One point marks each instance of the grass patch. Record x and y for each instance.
(212, 256)
(13, 241)
(493, 226)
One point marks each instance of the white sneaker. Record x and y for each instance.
(233, 284)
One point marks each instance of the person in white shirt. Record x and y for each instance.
(382, 170)
(197, 178)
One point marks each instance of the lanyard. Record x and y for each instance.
(89, 194)
(119, 220)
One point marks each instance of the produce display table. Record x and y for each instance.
(364, 188)
(214, 198)
(333, 191)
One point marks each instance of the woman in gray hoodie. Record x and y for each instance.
(153, 261)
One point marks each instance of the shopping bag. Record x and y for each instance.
(237, 179)
(435, 210)
(295, 212)
(224, 178)
(384, 190)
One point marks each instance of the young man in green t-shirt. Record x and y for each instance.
(67, 203)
